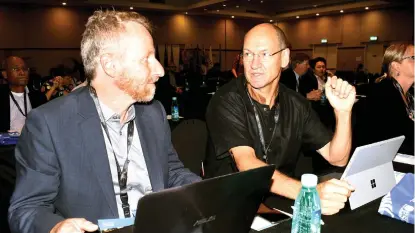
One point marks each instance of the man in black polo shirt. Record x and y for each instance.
(254, 120)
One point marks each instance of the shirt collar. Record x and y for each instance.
(297, 76)
(110, 115)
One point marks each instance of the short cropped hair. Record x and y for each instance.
(314, 61)
(298, 59)
(103, 30)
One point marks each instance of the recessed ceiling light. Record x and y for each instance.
(64, 3)
(271, 20)
(217, 10)
(317, 14)
(367, 8)
(131, 8)
(224, 4)
(262, 1)
(237, 6)
(186, 12)
(232, 16)
(298, 17)
(341, 11)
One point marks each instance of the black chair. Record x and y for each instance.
(189, 139)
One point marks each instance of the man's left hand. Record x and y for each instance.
(340, 94)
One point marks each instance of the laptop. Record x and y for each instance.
(370, 171)
(223, 204)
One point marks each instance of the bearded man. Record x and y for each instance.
(95, 152)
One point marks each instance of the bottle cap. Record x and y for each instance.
(309, 180)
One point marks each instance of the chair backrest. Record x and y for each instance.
(189, 139)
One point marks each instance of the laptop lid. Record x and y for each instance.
(223, 204)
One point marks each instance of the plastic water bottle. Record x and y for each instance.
(307, 210)
(175, 110)
(323, 98)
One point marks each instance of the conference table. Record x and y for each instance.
(361, 220)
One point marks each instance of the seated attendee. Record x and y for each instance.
(60, 83)
(299, 66)
(389, 109)
(16, 101)
(312, 83)
(94, 153)
(254, 121)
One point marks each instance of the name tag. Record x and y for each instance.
(107, 225)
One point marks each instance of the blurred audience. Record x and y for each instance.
(61, 83)
(238, 66)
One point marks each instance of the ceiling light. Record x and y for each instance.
(186, 12)
(367, 8)
(224, 4)
(64, 3)
(217, 10)
(317, 14)
(131, 8)
(237, 6)
(341, 11)
(262, 1)
(232, 16)
(298, 17)
(271, 20)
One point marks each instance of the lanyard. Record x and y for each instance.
(408, 97)
(122, 174)
(17, 105)
(260, 130)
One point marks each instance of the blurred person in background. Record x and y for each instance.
(390, 104)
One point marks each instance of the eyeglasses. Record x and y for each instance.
(263, 56)
(17, 69)
(408, 57)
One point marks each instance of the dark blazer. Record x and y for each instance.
(289, 79)
(385, 117)
(36, 99)
(308, 82)
(63, 169)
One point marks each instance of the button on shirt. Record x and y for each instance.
(138, 180)
(17, 119)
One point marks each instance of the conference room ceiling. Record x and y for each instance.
(259, 9)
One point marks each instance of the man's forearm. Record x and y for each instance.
(341, 144)
(281, 184)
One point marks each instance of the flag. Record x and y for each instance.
(220, 56)
(210, 59)
(166, 59)
(157, 53)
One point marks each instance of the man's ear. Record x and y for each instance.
(285, 58)
(110, 65)
(4, 73)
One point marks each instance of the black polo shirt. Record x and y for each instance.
(231, 122)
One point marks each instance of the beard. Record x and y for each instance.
(139, 91)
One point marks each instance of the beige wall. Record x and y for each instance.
(351, 33)
(47, 36)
